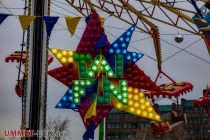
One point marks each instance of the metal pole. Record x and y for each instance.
(38, 49)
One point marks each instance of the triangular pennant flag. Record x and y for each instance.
(67, 101)
(50, 23)
(72, 23)
(25, 21)
(3, 17)
(91, 111)
(89, 133)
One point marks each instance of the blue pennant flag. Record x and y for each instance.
(50, 23)
(67, 101)
(89, 133)
(102, 42)
(3, 17)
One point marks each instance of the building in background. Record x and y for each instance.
(121, 125)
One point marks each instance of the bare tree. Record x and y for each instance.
(57, 125)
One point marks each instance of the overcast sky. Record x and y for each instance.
(182, 67)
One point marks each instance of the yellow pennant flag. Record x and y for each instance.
(25, 21)
(72, 23)
(91, 111)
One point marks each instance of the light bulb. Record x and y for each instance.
(88, 82)
(59, 55)
(124, 88)
(97, 62)
(123, 45)
(119, 97)
(157, 117)
(115, 92)
(125, 94)
(63, 60)
(150, 109)
(111, 87)
(125, 100)
(111, 51)
(151, 115)
(130, 96)
(144, 114)
(76, 94)
(70, 53)
(70, 59)
(90, 73)
(143, 107)
(138, 112)
(64, 52)
(104, 62)
(130, 89)
(54, 50)
(132, 109)
(94, 68)
(128, 33)
(106, 67)
(136, 90)
(119, 105)
(136, 104)
(130, 102)
(110, 74)
(141, 94)
(64, 98)
(142, 101)
(136, 97)
(70, 98)
(115, 45)
(76, 88)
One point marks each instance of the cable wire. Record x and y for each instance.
(198, 57)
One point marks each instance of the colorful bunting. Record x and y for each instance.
(72, 23)
(25, 21)
(89, 133)
(3, 17)
(50, 23)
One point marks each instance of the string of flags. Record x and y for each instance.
(50, 22)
